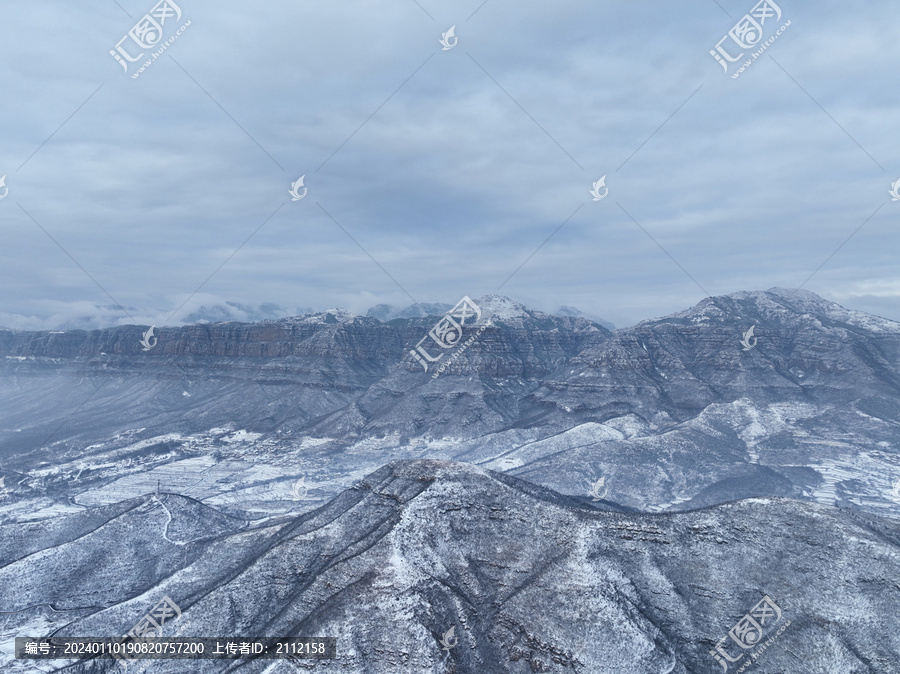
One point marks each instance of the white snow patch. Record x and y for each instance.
(38, 626)
(181, 477)
(242, 436)
(584, 435)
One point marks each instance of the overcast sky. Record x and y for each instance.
(435, 173)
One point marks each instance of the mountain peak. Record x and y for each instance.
(498, 306)
(502, 307)
(572, 312)
(776, 305)
(796, 296)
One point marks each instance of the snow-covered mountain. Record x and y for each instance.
(528, 580)
(572, 312)
(673, 412)
(290, 477)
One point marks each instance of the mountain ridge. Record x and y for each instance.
(531, 584)
(673, 412)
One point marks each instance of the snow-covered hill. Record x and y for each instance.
(528, 579)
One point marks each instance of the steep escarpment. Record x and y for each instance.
(686, 410)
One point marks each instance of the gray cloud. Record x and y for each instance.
(450, 186)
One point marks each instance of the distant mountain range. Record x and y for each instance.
(671, 413)
(387, 312)
(566, 497)
(86, 316)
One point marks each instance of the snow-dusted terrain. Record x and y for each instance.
(672, 412)
(530, 580)
(188, 461)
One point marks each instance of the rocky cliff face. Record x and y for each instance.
(673, 412)
(304, 370)
(529, 580)
(620, 501)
